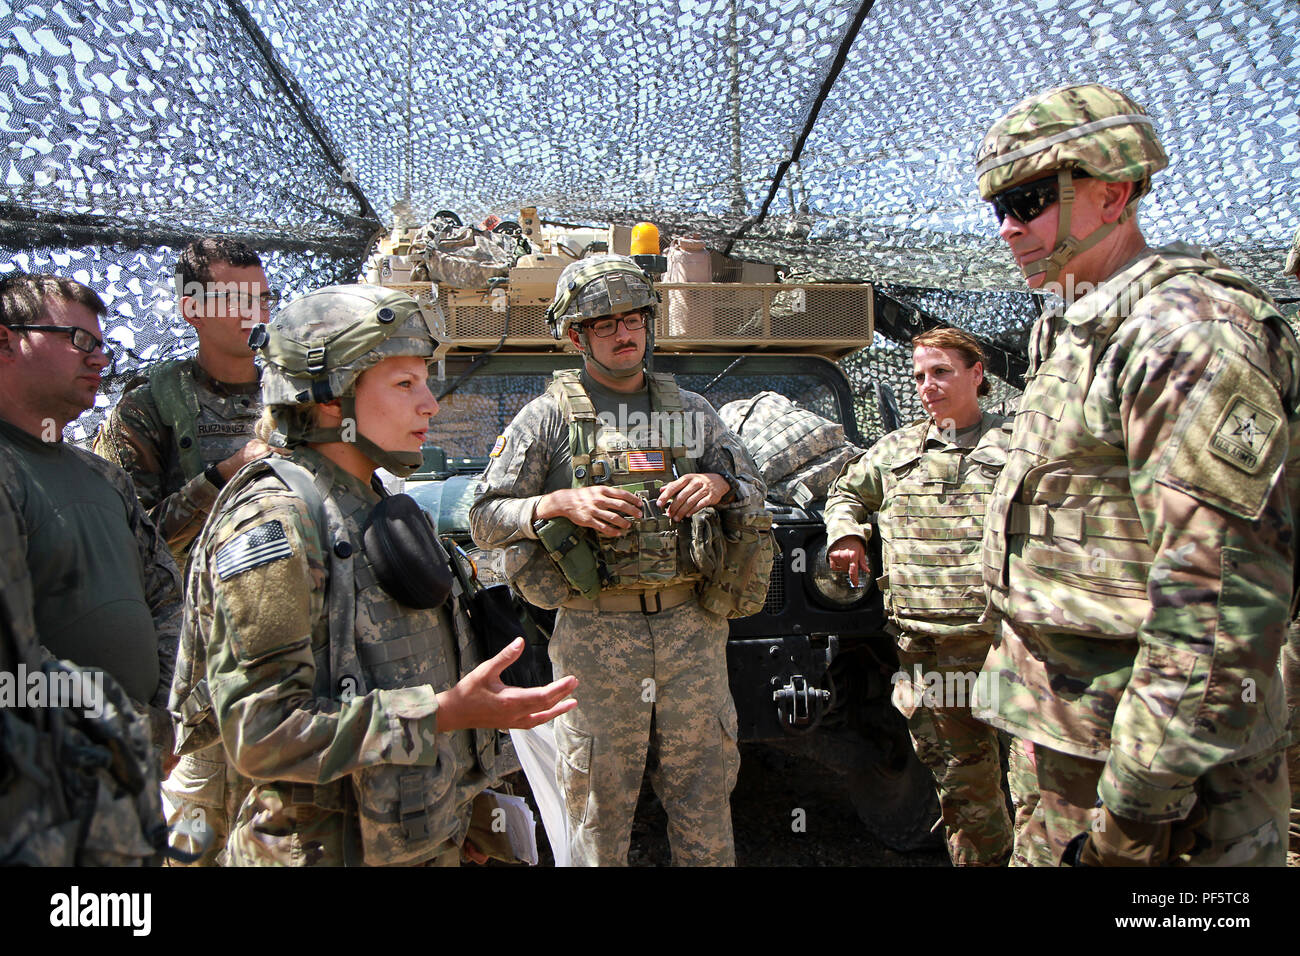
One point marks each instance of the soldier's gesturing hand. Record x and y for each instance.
(608, 511)
(849, 553)
(480, 699)
(690, 493)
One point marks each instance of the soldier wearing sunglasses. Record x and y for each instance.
(106, 592)
(1139, 543)
(181, 430)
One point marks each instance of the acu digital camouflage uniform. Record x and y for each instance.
(930, 489)
(336, 725)
(1139, 552)
(656, 680)
(165, 431)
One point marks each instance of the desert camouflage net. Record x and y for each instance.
(835, 139)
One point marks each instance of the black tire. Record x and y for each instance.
(897, 804)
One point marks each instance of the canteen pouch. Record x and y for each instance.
(741, 587)
(572, 554)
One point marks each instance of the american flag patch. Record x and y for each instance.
(262, 545)
(645, 461)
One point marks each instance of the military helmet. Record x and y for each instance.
(321, 343)
(598, 286)
(1293, 258)
(1091, 128)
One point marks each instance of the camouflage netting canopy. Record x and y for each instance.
(833, 138)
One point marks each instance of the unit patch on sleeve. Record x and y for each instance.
(1243, 433)
(262, 545)
(498, 448)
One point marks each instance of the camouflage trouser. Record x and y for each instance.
(204, 792)
(672, 665)
(1023, 784)
(1245, 804)
(960, 751)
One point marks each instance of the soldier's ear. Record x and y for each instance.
(329, 414)
(191, 312)
(8, 346)
(576, 339)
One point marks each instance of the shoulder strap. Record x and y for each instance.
(666, 397)
(178, 405)
(580, 413)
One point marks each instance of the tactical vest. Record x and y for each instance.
(202, 435)
(932, 528)
(373, 643)
(651, 555)
(1064, 504)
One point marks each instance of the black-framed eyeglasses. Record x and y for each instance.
(244, 301)
(82, 340)
(604, 328)
(1027, 201)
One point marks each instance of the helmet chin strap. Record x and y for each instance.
(1067, 246)
(400, 463)
(611, 372)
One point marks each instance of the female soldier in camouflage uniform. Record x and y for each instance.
(340, 669)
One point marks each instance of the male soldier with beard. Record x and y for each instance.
(641, 624)
(1139, 543)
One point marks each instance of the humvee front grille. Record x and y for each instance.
(775, 602)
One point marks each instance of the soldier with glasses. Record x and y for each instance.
(1140, 540)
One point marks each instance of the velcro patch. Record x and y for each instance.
(498, 448)
(261, 545)
(645, 461)
(1243, 433)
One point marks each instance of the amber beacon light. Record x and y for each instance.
(645, 249)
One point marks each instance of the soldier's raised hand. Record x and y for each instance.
(480, 699)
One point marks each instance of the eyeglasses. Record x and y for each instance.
(1027, 201)
(244, 301)
(604, 328)
(82, 340)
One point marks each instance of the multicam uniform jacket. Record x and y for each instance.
(1140, 541)
(136, 436)
(336, 724)
(931, 491)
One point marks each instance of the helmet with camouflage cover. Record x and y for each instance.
(598, 286)
(1090, 130)
(1293, 258)
(321, 343)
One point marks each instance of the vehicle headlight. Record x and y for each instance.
(833, 587)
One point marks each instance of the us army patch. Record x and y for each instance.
(498, 448)
(262, 545)
(1243, 433)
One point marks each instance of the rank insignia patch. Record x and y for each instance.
(262, 545)
(1243, 434)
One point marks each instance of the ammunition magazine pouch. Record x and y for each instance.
(573, 554)
(395, 804)
(741, 587)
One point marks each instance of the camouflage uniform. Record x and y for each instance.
(655, 680)
(1291, 650)
(338, 730)
(1138, 549)
(930, 490)
(179, 404)
(170, 479)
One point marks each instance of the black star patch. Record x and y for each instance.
(1243, 433)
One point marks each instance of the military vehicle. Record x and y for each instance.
(812, 670)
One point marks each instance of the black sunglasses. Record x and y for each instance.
(1027, 201)
(82, 340)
